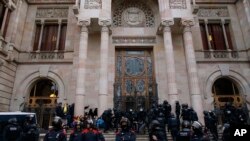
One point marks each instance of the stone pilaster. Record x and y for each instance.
(4, 20)
(196, 97)
(103, 81)
(169, 53)
(80, 82)
(246, 4)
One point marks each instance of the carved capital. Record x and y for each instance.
(167, 22)
(187, 22)
(106, 23)
(223, 21)
(206, 21)
(84, 23)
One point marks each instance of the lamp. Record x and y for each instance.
(52, 95)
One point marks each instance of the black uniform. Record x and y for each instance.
(184, 135)
(125, 134)
(12, 132)
(57, 133)
(30, 132)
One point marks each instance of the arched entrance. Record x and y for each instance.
(135, 85)
(42, 101)
(225, 90)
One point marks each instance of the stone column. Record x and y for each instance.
(207, 33)
(169, 53)
(224, 33)
(40, 36)
(103, 81)
(81, 71)
(58, 35)
(194, 88)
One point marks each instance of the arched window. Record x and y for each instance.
(44, 87)
(224, 86)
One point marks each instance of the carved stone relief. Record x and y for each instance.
(177, 4)
(52, 13)
(93, 4)
(133, 14)
(213, 12)
(134, 40)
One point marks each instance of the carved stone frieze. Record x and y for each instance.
(93, 4)
(52, 13)
(133, 14)
(134, 40)
(50, 1)
(213, 12)
(177, 4)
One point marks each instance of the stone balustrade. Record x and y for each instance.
(221, 55)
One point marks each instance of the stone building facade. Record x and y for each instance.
(124, 53)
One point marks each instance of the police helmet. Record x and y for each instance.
(197, 125)
(12, 120)
(155, 122)
(186, 124)
(124, 121)
(29, 117)
(205, 113)
(57, 122)
(161, 114)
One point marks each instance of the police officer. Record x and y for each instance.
(226, 132)
(173, 126)
(30, 130)
(91, 133)
(155, 132)
(76, 133)
(185, 133)
(12, 132)
(56, 133)
(198, 134)
(126, 134)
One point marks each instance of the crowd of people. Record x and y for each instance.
(183, 124)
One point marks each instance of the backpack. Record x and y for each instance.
(100, 123)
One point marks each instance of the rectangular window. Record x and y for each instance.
(49, 37)
(215, 36)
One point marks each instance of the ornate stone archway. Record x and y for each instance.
(236, 77)
(21, 94)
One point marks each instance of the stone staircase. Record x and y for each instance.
(110, 136)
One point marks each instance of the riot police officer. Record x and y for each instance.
(185, 133)
(226, 132)
(126, 134)
(56, 133)
(173, 126)
(155, 132)
(12, 132)
(91, 133)
(30, 130)
(76, 133)
(198, 134)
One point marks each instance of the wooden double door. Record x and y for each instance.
(135, 85)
